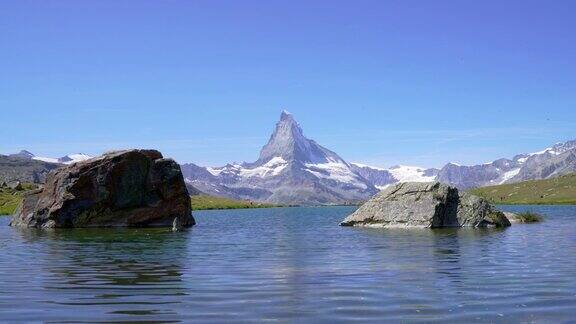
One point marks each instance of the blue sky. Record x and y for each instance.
(379, 82)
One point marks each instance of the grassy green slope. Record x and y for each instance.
(203, 202)
(9, 200)
(561, 190)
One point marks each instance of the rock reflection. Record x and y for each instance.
(130, 272)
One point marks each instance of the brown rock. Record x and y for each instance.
(133, 188)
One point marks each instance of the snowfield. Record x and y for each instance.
(405, 173)
(337, 171)
(269, 169)
(509, 175)
(68, 159)
(45, 159)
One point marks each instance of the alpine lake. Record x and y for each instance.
(292, 265)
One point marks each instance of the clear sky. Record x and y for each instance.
(379, 82)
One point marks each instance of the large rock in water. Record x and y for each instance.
(134, 188)
(426, 205)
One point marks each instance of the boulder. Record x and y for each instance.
(15, 185)
(426, 205)
(513, 217)
(133, 188)
(524, 218)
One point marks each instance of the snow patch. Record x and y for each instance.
(45, 159)
(509, 175)
(337, 171)
(215, 171)
(404, 173)
(73, 158)
(68, 159)
(271, 168)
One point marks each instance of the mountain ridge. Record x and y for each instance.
(293, 169)
(560, 159)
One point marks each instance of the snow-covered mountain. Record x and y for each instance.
(557, 160)
(291, 169)
(68, 159)
(382, 178)
(554, 161)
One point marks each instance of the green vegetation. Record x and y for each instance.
(203, 202)
(9, 200)
(529, 217)
(561, 190)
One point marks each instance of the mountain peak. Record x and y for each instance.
(288, 142)
(23, 154)
(286, 115)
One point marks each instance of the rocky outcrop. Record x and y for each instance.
(134, 188)
(513, 217)
(426, 205)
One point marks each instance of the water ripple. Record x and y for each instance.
(291, 265)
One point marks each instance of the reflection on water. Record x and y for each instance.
(291, 265)
(124, 272)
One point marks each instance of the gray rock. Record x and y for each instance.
(426, 205)
(512, 217)
(15, 185)
(524, 218)
(474, 211)
(134, 188)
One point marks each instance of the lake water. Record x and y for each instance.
(292, 265)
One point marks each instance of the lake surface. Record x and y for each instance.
(292, 265)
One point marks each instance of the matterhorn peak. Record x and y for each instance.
(291, 169)
(289, 143)
(286, 114)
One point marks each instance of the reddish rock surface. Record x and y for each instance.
(133, 188)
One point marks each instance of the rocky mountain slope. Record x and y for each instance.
(26, 167)
(291, 169)
(18, 168)
(557, 160)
